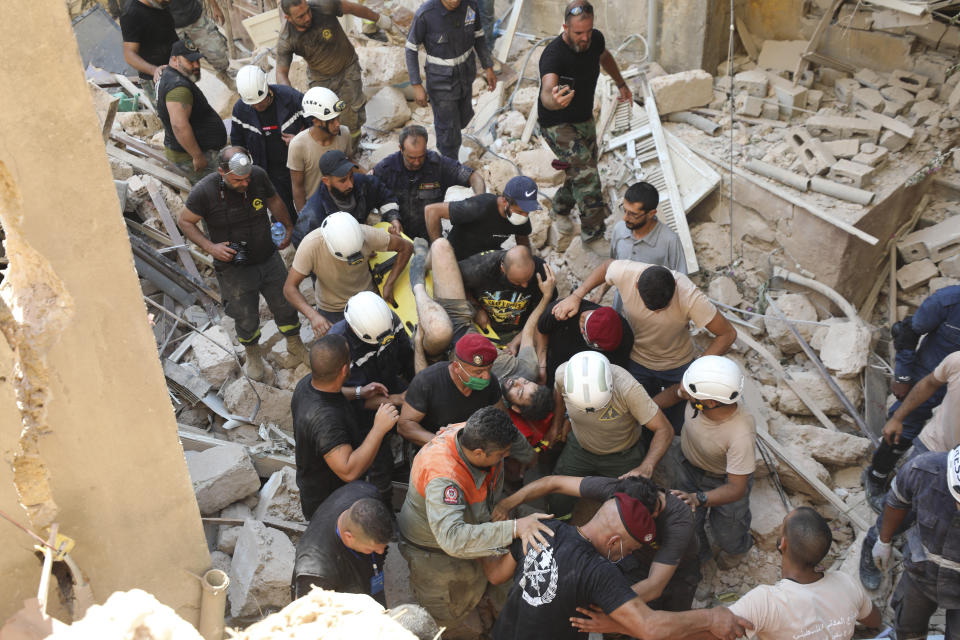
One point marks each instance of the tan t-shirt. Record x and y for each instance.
(823, 610)
(661, 339)
(942, 432)
(720, 447)
(616, 427)
(304, 155)
(337, 280)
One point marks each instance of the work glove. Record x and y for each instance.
(882, 552)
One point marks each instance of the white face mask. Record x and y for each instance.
(516, 219)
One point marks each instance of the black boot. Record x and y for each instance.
(870, 575)
(875, 488)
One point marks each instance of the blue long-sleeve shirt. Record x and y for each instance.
(938, 321)
(369, 193)
(450, 39)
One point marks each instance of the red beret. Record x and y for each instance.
(604, 329)
(474, 349)
(636, 518)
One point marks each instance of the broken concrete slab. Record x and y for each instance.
(846, 349)
(767, 512)
(724, 290)
(814, 98)
(536, 164)
(870, 78)
(859, 175)
(794, 306)
(581, 261)
(280, 497)
(950, 267)
(832, 448)
(227, 535)
(781, 55)
(382, 66)
(819, 391)
(748, 105)
(837, 127)
(221, 476)
(387, 109)
(261, 569)
(682, 91)
(937, 242)
(872, 155)
(794, 482)
(936, 284)
(274, 407)
(843, 90)
(924, 111)
(911, 276)
(842, 148)
(753, 83)
(893, 141)
(215, 355)
(867, 98)
(898, 95)
(221, 561)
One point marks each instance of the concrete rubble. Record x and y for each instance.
(221, 476)
(260, 571)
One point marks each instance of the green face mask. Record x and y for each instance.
(473, 382)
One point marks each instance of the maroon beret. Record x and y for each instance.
(474, 349)
(636, 518)
(603, 329)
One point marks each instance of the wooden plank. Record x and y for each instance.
(821, 27)
(814, 482)
(530, 124)
(162, 238)
(145, 166)
(266, 464)
(264, 29)
(146, 149)
(899, 5)
(695, 177)
(506, 40)
(829, 61)
(749, 42)
(134, 90)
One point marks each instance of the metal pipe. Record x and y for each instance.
(782, 176)
(848, 309)
(213, 603)
(652, 31)
(704, 124)
(841, 191)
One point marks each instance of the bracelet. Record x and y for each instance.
(514, 528)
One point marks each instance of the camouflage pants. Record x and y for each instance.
(349, 87)
(576, 144)
(205, 36)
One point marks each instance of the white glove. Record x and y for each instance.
(384, 22)
(881, 554)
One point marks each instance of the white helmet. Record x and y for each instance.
(369, 317)
(252, 84)
(714, 378)
(343, 236)
(588, 381)
(953, 473)
(322, 103)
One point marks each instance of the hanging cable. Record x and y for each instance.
(730, 97)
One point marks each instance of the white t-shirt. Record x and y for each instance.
(942, 432)
(823, 610)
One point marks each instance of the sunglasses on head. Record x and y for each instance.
(580, 9)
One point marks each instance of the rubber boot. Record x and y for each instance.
(870, 574)
(255, 367)
(418, 263)
(295, 347)
(875, 488)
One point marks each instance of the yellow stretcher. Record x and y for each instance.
(406, 306)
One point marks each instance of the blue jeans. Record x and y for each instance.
(656, 381)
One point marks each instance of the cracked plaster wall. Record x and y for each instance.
(88, 435)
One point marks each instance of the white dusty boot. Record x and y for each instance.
(295, 347)
(255, 367)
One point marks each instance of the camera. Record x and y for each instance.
(241, 257)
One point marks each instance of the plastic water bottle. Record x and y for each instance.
(278, 233)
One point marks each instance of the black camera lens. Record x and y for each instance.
(240, 258)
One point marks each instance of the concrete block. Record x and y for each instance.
(911, 82)
(781, 55)
(832, 448)
(842, 148)
(261, 570)
(828, 77)
(897, 94)
(950, 42)
(929, 33)
(805, 79)
(911, 276)
(872, 155)
(280, 497)
(845, 349)
(795, 306)
(274, 405)
(893, 141)
(886, 122)
(870, 78)
(892, 109)
(938, 283)
(752, 83)
(812, 154)
(723, 84)
(748, 105)
(950, 267)
(535, 163)
(682, 91)
(819, 392)
(387, 109)
(836, 127)
(925, 110)
(814, 98)
(867, 98)
(789, 96)
(767, 513)
(724, 290)
(855, 173)
(936, 243)
(221, 476)
(843, 90)
(771, 110)
(932, 66)
(927, 93)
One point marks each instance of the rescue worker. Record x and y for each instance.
(445, 523)
(714, 464)
(591, 328)
(937, 321)
(606, 409)
(419, 177)
(194, 26)
(449, 31)
(148, 32)
(234, 204)
(928, 487)
(323, 108)
(265, 119)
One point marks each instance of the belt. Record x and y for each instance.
(450, 62)
(940, 561)
(719, 476)
(405, 539)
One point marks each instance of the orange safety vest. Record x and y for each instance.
(439, 458)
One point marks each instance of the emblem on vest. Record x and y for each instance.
(451, 495)
(471, 16)
(327, 34)
(257, 203)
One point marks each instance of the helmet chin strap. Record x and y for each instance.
(697, 407)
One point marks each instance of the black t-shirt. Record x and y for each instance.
(184, 12)
(270, 127)
(584, 68)
(322, 421)
(549, 585)
(433, 393)
(322, 558)
(232, 216)
(675, 542)
(567, 340)
(152, 29)
(478, 226)
(507, 305)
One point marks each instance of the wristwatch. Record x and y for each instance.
(356, 393)
(701, 498)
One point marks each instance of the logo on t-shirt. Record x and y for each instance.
(610, 413)
(257, 204)
(327, 34)
(505, 307)
(539, 580)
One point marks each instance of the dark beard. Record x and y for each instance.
(341, 195)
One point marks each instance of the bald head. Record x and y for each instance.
(808, 536)
(328, 356)
(518, 265)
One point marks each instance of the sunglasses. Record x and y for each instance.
(580, 9)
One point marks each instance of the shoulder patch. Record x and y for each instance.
(451, 494)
